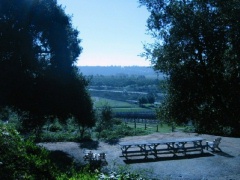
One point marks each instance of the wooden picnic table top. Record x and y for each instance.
(161, 141)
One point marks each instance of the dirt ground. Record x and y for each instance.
(223, 165)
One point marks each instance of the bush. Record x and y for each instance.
(22, 159)
(55, 126)
(58, 137)
(78, 176)
(189, 129)
(119, 131)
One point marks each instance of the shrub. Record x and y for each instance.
(119, 131)
(189, 129)
(22, 159)
(83, 174)
(58, 137)
(55, 126)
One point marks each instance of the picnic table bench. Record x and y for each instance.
(158, 147)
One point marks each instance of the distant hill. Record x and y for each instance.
(118, 70)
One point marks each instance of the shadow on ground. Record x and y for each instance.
(167, 158)
(113, 141)
(221, 153)
(61, 159)
(90, 144)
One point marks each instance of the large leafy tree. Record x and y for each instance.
(197, 44)
(38, 49)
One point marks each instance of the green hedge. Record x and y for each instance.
(22, 159)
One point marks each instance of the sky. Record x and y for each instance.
(112, 31)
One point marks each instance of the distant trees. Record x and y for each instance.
(147, 99)
(38, 49)
(143, 100)
(197, 46)
(134, 83)
(119, 87)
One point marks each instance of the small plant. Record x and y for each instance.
(60, 136)
(121, 174)
(84, 174)
(55, 126)
(189, 129)
(22, 159)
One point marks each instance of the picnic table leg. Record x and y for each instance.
(172, 148)
(181, 146)
(124, 151)
(146, 155)
(153, 149)
(127, 152)
(200, 143)
(144, 150)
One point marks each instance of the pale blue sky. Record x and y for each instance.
(112, 31)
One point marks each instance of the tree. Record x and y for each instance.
(142, 100)
(38, 49)
(197, 46)
(82, 109)
(106, 119)
(151, 98)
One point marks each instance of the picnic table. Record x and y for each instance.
(158, 147)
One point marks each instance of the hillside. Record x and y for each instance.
(118, 70)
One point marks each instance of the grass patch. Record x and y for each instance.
(100, 102)
(132, 110)
(151, 128)
(125, 109)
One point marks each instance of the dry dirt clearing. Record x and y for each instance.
(223, 165)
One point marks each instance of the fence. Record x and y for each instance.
(153, 123)
(144, 121)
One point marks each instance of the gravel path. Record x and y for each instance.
(223, 165)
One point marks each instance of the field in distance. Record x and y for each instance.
(120, 106)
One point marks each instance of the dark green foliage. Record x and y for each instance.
(197, 46)
(106, 116)
(143, 100)
(105, 121)
(147, 99)
(38, 49)
(151, 98)
(112, 129)
(59, 136)
(84, 174)
(55, 126)
(22, 159)
(123, 80)
(117, 132)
